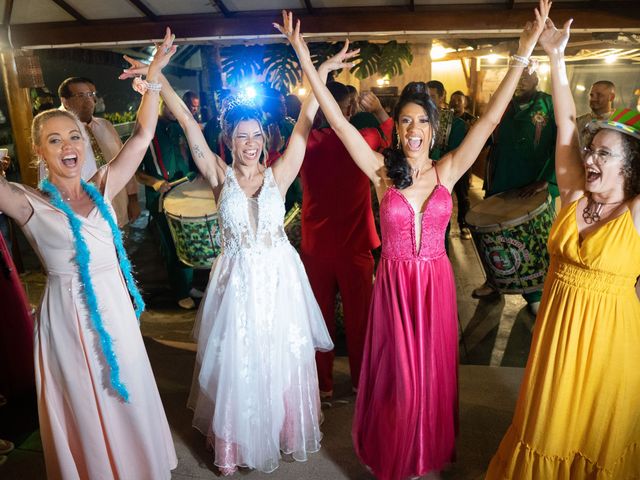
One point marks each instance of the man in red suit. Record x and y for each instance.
(338, 230)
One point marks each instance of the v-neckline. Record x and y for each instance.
(80, 216)
(582, 239)
(417, 246)
(262, 185)
(426, 202)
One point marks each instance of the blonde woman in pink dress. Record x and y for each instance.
(406, 409)
(100, 412)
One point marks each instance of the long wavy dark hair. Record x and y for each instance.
(395, 161)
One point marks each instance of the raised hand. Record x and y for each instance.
(532, 30)
(369, 102)
(339, 60)
(163, 54)
(161, 58)
(554, 41)
(293, 34)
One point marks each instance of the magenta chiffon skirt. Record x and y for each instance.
(16, 330)
(406, 411)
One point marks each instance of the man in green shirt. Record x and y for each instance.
(168, 159)
(522, 154)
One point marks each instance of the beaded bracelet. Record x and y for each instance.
(154, 87)
(518, 61)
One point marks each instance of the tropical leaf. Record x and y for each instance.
(282, 69)
(392, 57)
(240, 62)
(368, 59)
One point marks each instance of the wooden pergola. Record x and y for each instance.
(462, 24)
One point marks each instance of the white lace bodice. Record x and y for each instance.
(251, 223)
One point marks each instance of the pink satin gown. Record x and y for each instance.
(406, 410)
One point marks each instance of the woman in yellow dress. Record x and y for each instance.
(578, 413)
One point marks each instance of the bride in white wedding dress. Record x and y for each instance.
(255, 386)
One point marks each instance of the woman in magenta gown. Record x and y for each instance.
(406, 409)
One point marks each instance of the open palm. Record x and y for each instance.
(340, 59)
(554, 41)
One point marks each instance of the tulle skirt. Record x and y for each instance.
(255, 386)
(406, 411)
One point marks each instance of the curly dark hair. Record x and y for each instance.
(395, 160)
(631, 165)
(630, 169)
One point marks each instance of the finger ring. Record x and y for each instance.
(290, 32)
(166, 50)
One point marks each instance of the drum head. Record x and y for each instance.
(506, 209)
(190, 199)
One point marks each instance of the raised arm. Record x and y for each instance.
(370, 162)
(211, 166)
(126, 162)
(287, 167)
(569, 169)
(454, 164)
(13, 201)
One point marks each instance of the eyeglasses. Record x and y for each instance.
(600, 157)
(84, 95)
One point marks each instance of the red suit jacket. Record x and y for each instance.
(336, 208)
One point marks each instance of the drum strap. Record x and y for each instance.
(157, 156)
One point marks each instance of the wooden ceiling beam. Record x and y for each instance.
(144, 9)
(307, 3)
(223, 8)
(334, 20)
(71, 11)
(6, 15)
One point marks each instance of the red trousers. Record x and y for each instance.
(352, 275)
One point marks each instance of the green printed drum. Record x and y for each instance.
(193, 220)
(511, 235)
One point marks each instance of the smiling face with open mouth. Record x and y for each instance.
(414, 131)
(62, 147)
(248, 142)
(603, 161)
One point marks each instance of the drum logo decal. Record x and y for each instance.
(505, 255)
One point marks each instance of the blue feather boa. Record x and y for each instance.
(83, 259)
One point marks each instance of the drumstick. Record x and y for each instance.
(179, 181)
(171, 184)
(291, 214)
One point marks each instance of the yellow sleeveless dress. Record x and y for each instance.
(578, 412)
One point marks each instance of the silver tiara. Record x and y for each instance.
(235, 101)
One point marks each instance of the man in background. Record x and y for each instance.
(601, 97)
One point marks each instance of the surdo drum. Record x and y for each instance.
(193, 220)
(511, 235)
